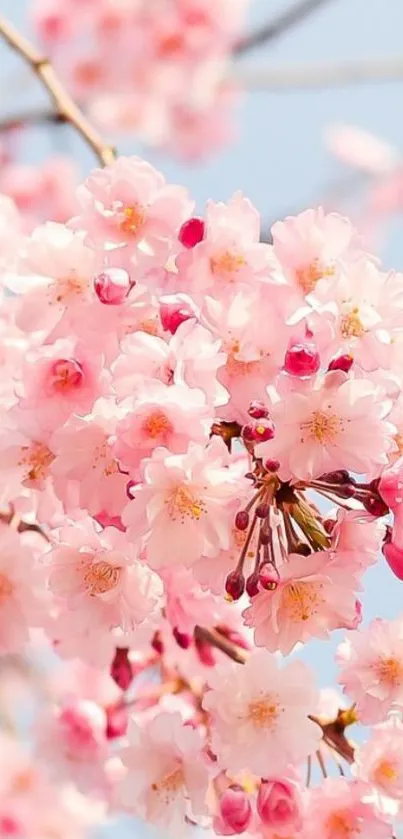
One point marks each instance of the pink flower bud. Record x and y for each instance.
(394, 557)
(117, 718)
(242, 520)
(272, 465)
(342, 362)
(121, 668)
(113, 286)
(252, 585)
(302, 360)
(192, 232)
(235, 584)
(235, 809)
(259, 431)
(257, 410)
(205, 652)
(279, 806)
(65, 375)
(174, 311)
(268, 577)
(182, 639)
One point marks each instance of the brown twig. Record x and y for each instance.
(66, 109)
(42, 116)
(213, 637)
(275, 28)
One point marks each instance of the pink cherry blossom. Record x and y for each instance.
(21, 598)
(380, 760)
(184, 506)
(371, 668)
(167, 774)
(310, 599)
(339, 808)
(259, 714)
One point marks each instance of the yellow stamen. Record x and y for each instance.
(322, 427)
(183, 505)
(264, 712)
(351, 325)
(302, 600)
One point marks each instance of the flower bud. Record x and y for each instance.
(121, 668)
(259, 432)
(341, 362)
(242, 520)
(375, 506)
(192, 232)
(252, 585)
(117, 718)
(182, 639)
(113, 286)
(157, 643)
(235, 809)
(235, 584)
(279, 806)
(205, 652)
(272, 465)
(174, 311)
(257, 410)
(268, 577)
(302, 360)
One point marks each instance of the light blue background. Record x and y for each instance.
(279, 159)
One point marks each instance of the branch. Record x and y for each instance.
(213, 637)
(42, 116)
(66, 109)
(318, 76)
(279, 26)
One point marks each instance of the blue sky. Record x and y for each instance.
(279, 159)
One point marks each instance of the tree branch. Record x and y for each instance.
(318, 76)
(213, 637)
(279, 26)
(66, 109)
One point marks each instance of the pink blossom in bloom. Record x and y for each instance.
(380, 760)
(130, 204)
(312, 597)
(371, 668)
(259, 714)
(331, 427)
(184, 506)
(311, 245)
(85, 470)
(21, 598)
(339, 809)
(357, 537)
(161, 415)
(167, 775)
(61, 379)
(99, 579)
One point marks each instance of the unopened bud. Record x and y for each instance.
(192, 232)
(205, 652)
(235, 584)
(375, 506)
(268, 577)
(235, 809)
(174, 311)
(302, 360)
(272, 465)
(252, 585)
(242, 520)
(257, 410)
(113, 286)
(182, 639)
(121, 668)
(117, 719)
(342, 362)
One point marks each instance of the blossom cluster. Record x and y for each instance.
(179, 402)
(158, 68)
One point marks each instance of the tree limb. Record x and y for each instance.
(279, 26)
(66, 109)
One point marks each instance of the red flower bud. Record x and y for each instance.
(342, 362)
(121, 668)
(242, 520)
(268, 577)
(235, 809)
(257, 410)
(174, 311)
(235, 584)
(302, 360)
(192, 232)
(113, 286)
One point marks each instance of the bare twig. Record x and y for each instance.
(318, 76)
(279, 26)
(220, 642)
(66, 109)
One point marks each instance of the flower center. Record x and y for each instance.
(351, 325)
(170, 784)
(6, 588)
(183, 505)
(301, 601)
(308, 276)
(66, 289)
(226, 263)
(65, 375)
(264, 712)
(100, 577)
(322, 427)
(132, 219)
(104, 460)
(157, 425)
(385, 771)
(341, 825)
(398, 438)
(390, 671)
(37, 458)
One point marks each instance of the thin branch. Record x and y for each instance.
(213, 637)
(66, 109)
(41, 116)
(318, 76)
(279, 26)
